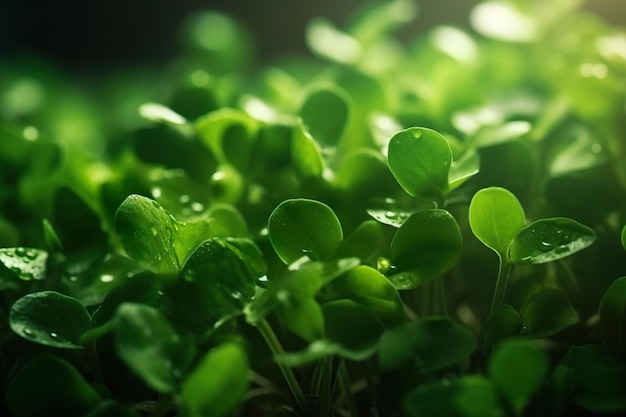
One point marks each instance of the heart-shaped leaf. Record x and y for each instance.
(49, 385)
(428, 243)
(468, 396)
(496, 217)
(518, 368)
(547, 240)
(302, 227)
(420, 160)
(548, 312)
(427, 345)
(149, 346)
(50, 318)
(218, 383)
(27, 263)
(613, 315)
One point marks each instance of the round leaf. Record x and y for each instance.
(503, 323)
(624, 237)
(325, 114)
(427, 345)
(468, 396)
(351, 324)
(306, 153)
(218, 383)
(27, 263)
(428, 243)
(496, 217)
(613, 315)
(420, 160)
(546, 240)
(548, 312)
(47, 386)
(518, 368)
(301, 227)
(148, 345)
(50, 318)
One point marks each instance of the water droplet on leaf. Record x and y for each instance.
(154, 231)
(29, 333)
(546, 246)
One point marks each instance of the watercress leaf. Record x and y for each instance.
(579, 150)
(463, 168)
(518, 368)
(624, 237)
(613, 315)
(159, 113)
(547, 240)
(548, 312)
(595, 378)
(468, 396)
(496, 217)
(150, 347)
(296, 285)
(306, 153)
(323, 348)
(324, 39)
(146, 232)
(428, 243)
(491, 135)
(427, 345)
(250, 253)
(420, 159)
(502, 323)
(362, 170)
(229, 218)
(363, 243)
(325, 113)
(303, 317)
(375, 20)
(351, 324)
(26, 263)
(302, 227)
(216, 284)
(368, 287)
(218, 383)
(50, 318)
(49, 385)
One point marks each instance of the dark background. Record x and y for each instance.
(83, 35)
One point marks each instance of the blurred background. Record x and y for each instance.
(97, 36)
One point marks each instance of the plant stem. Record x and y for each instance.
(344, 382)
(326, 385)
(501, 281)
(568, 279)
(277, 349)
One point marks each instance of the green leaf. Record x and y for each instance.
(376, 20)
(518, 369)
(503, 323)
(325, 113)
(146, 232)
(613, 315)
(216, 284)
(368, 287)
(595, 379)
(427, 345)
(420, 160)
(218, 383)
(302, 227)
(324, 39)
(496, 217)
(50, 318)
(363, 243)
(468, 396)
(624, 237)
(300, 284)
(351, 324)
(548, 312)
(463, 168)
(26, 263)
(320, 349)
(491, 135)
(428, 243)
(546, 240)
(306, 153)
(362, 170)
(149, 346)
(47, 386)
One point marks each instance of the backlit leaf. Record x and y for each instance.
(548, 312)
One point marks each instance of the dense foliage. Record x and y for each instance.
(384, 228)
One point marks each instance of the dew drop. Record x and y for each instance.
(562, 249)
(31, 254)
(9, 254)
(20, 251)
(154, 231)
(197, 207)
(54, 335)
(417, 134)
(72, 278)
(29, 333)
(526, 259)
(106, 278)
(546, 246)
(391, 215)
(156, 204)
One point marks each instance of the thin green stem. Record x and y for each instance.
(344, 382)
(501, 282)
(568, 279)
(326, 386)
(277, 349)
